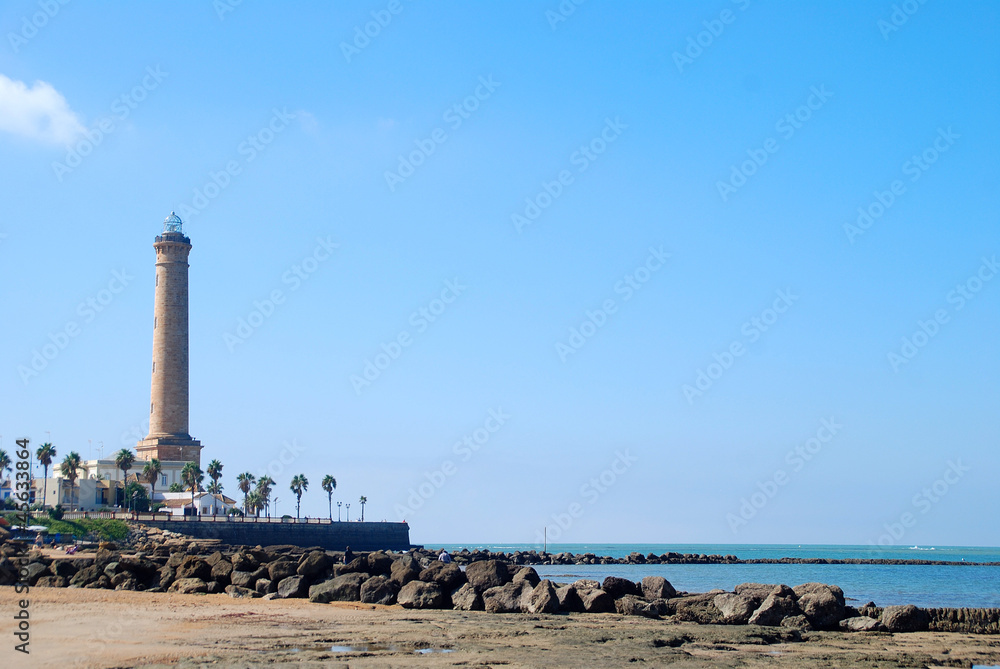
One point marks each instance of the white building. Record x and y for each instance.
(205, 504)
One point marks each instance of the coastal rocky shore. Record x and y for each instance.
(416, 580)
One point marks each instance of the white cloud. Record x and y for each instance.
(39, 113)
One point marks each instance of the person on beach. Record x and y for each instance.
(444, 557)
(348, 555)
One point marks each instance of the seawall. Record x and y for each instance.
(331, 536)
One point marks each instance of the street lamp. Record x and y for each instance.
(348, 513)
(338, 511)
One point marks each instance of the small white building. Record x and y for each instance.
(205, 504)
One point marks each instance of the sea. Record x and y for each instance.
(952, 585)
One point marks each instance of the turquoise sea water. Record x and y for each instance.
(923, 585)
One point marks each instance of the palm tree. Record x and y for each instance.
(214, 471)
(45, 454)
(244, 481)
(363, 501)
(299, 485)
(4, 462)
(151, 474)
(264, 490)
(70, 467)
(253, 502)
(215, 488)
(192, 477)
(329, 485)
(123, 460)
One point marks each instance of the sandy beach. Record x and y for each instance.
(100, 628)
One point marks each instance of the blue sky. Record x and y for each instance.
(606, 168)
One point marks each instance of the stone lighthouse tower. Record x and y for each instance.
(168, 438)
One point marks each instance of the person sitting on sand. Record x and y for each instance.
(444, 557)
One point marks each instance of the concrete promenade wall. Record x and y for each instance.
(331, 536)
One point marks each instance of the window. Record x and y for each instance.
(163, 479)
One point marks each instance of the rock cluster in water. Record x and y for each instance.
(418, 581)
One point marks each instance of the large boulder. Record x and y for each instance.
(52, 582)
(907, 618)
(569, 599)
(236, 592)
(343, 588)
(631, 605)
(246, 579)
(503, 598)
(822, 604)
(773, 610)
(244, 561)
(404, 570)
(619, 587)
(313, 564)
(293, 587)
(657, 587)
(755, 591)
(735, 609)
(281, 569)
(597, 601)
(188, 586)
(420, 595)
(861, 624)
(379, 564)
(358, 565)
(265, 586)
(33, 571)
(467, 599)
(194, 567)
(221, 571)
(527, 575)
(65, 568)
(448, 575)
(86, 575)
(487, 574)
(543, 598)
(379, 590)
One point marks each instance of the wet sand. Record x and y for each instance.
(101, 628)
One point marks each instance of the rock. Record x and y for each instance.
(243, 561)
(101, 582)
(236, 592)
(404, 570)
(799, 622)
(188, 586)
(861, 624)
(281, 569)
(313, 564)
(631, 605)
(487, 574)
(221, 572)
(586, 584)
(467, 599)
(358, 565)
(619, 587)
(343, 588)
(194, 567)
(51, 582)
(569, 599)
(543, 598)
(420, 595)
(212, 587)
(905, 619)
(34, 571)
(64, 568)
(86, 575)
(822, 604)
(448, 575)
(503, 598)
(773, 610)
(215, 558)
(379, 590)
(270, 596)
(597, 601)
(657, 587)
(293, 587)
(755, 591)
(735, 609)
(243, 579)
(379, 564)
(527, 575)
(698, 608)
(265, 586)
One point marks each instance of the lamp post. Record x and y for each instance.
(338, 511)
(348, 513)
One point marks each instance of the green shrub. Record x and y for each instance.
(56, 512)
(109, 529)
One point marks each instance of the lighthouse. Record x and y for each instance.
(169, 438)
